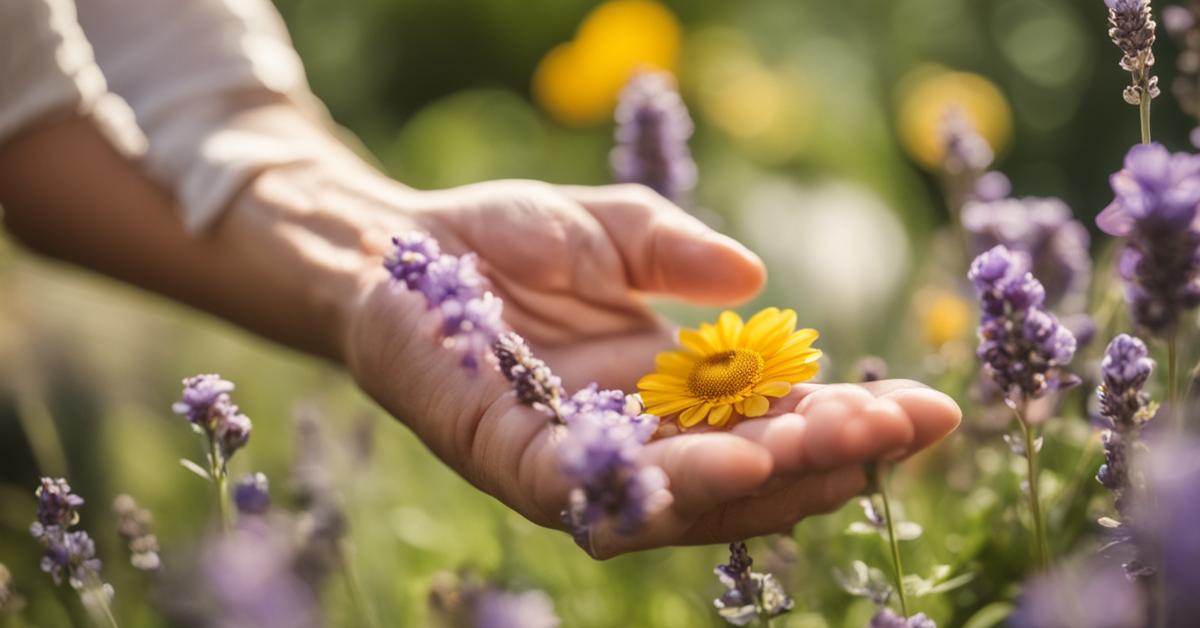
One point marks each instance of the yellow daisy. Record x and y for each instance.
(731, 366)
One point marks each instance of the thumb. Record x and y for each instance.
(667, 251)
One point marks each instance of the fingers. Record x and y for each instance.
(668, 251)
(838, 428)
(779, 510)
(933, 414)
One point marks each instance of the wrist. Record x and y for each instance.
(308, 235)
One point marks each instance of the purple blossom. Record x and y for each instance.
(207, 405)
(1095, 594)
(1022, 346)
(202, 396)
(748, 595)
(252, 495)
(1132, 30)
(964, 151)
(471, 316)
(1155, 209)
(249, 574)
(532, 380)
(887, 618)
(1166, 529)
(506, 609)
(653, 127)
(1044, 230)
(56, 504)
(410, 256)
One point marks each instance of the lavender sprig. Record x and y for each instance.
(1024, 350)
(748, 595)
(887, 618)
(1132, 30)
(1125, 408)
(206, 404)
(69, 554)
(252, 495)
(453, 286)
(136, 526)
(653, 127)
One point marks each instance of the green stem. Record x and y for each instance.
(95, 597)
(894, 542)
(358, 595)
(1144, 116)
(220, 478)
(1035, 507)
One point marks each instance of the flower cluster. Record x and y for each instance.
(749, 595)
(1045, 231)
(1155, 208)
(887, 618)
(966, 156)
(136, 525)
(1023, 347)
(602, 433)
(1124, 408)
(653, 127)
(68, 554)
(1132, 30)
(453, 286)
(206, 404)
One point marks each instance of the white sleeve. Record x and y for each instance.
(185, 68)
(46, 65)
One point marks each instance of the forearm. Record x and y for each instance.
(283, 270)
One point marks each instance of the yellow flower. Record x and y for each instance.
(578, 82)
(730, 367)
(944, 317)
(928, 93)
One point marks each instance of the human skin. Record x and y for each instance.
(297, 258)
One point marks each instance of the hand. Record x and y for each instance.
(571, 264)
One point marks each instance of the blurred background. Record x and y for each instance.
(817, 144)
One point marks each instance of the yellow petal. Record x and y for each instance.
(771, 330)
(675, 362)
(740, 406)
(661, 382)
(756, 405)
(794, 375)
(669, 407)
(775, 388)
(720, 415)
(695, 342)
(729, 328)
(694, 415)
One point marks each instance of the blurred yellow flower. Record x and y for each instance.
(730, 367)
(945, 317)
(578, 82)
(929, 93)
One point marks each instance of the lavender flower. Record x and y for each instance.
(876, 523)
(249, 575)
(1155, 209)
(887, 618)
(57, 506)
(136, 525)
(653, 127)
(206, 403)
(1023, 347)
(252, 495)
(69, 555)
(966, 156)
(453, 286)
(1094, 594)
(1132, 30)
(872, 369)
(202, 395)
(411, 254)
(1044, 230)
(749, 595)
(523, 609)
(1166, 527)
(534, 383)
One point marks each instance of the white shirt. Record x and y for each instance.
(159, 77)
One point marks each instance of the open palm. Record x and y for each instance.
(572, 265)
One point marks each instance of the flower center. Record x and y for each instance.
(725, 374)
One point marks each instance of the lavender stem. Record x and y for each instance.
(1172, 380)
(1035, 508)
(1144, 116)
(892, 540)
(218, 470)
